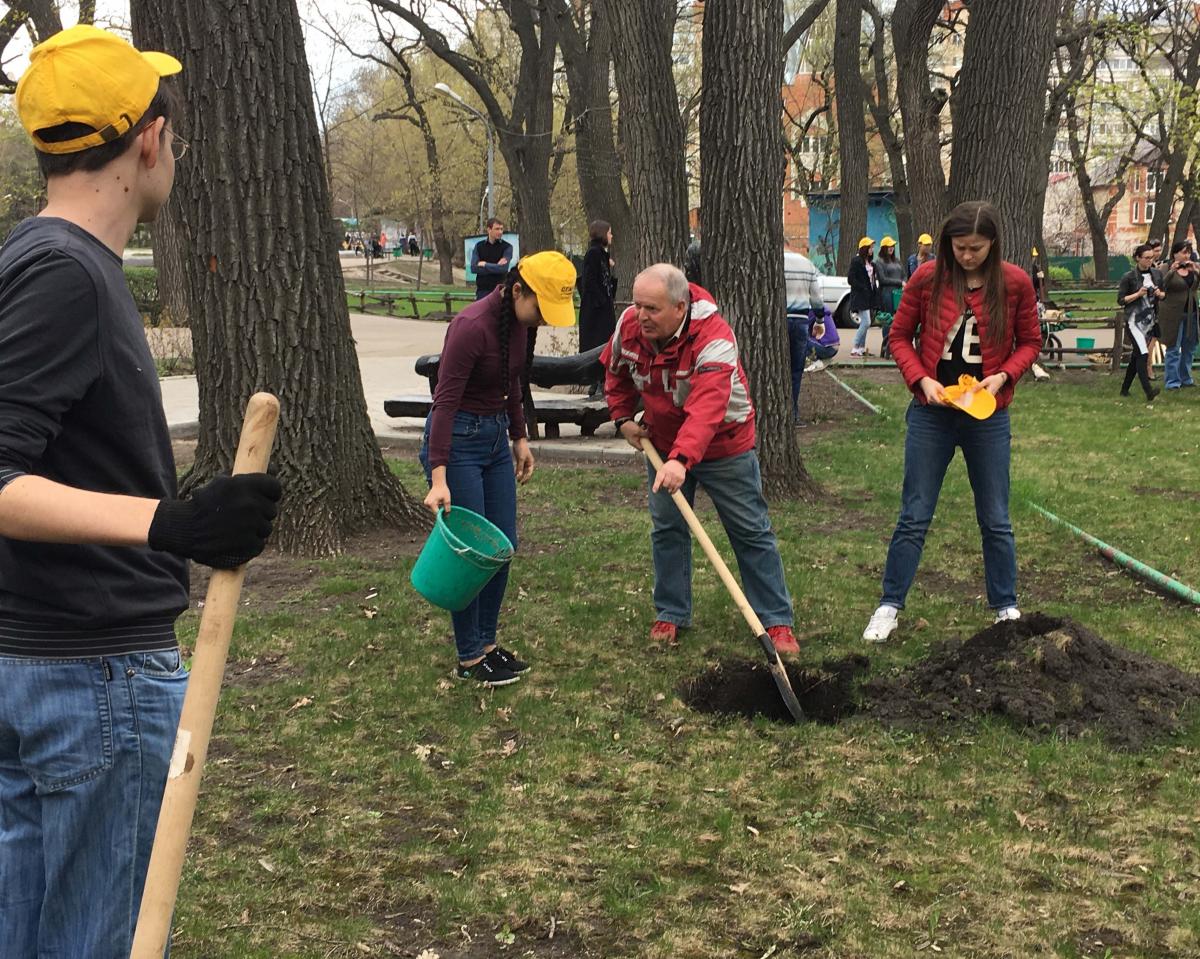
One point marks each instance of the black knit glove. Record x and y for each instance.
(223, 524)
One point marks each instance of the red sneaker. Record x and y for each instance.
(783, 638)
(662, 632)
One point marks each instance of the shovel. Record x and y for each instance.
(199, 708)
(778, 673)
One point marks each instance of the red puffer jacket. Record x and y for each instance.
(1013, 357)
(695, 393)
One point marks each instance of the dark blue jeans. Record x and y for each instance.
(734, 484)
(481, 478)
(798, 325)
(934, 432)
(84, 750)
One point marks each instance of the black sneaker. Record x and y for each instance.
(504, 659)
(1151, 394)
(487, 672)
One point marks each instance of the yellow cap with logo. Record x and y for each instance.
(551, 276)
(865, 242)
(89, 76)
(886, 241)
(925, 238)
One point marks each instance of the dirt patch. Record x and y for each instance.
(825, 405)
(1042, 673)
(745, 688)
(1186, 495)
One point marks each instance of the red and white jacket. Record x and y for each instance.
(1014, 357)
(694, 392)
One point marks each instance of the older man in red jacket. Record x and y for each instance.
(673, 349)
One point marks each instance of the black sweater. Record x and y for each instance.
(80, 404)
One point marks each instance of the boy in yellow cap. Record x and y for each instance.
(923, 255)
(476, 405)
(93, 541)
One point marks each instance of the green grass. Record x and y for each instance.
(353, 789)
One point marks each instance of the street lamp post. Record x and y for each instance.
(491, 181)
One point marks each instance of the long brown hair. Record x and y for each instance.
(974, 216)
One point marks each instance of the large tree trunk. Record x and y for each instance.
(260, 268)
(999, 113)
(920, 109)
(851, 129)
(587, 54)
(881, 112)
(651, 131)
(741, 181)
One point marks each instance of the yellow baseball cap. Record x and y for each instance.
(90, 76)
(865, 241)
(925, 238)
(887, 241)
(970, 397)
(551, 276)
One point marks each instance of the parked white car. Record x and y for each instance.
(797, 272)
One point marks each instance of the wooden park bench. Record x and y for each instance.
(580, 369)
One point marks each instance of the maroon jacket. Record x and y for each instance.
(1013, 357)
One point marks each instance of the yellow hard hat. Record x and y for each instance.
(925, 238)
(887, 241)
(865, 242)
(1035, 252)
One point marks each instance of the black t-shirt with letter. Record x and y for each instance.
(961, 352)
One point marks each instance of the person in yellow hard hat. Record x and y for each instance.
(864, 292)
(923, 255)
(477, 404)
(1037, 273)
(91, 583)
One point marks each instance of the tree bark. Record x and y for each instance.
(880, 105)
(650, 128)
(587, 53)
(260, 269)
(741, 181)
(850, 97)
(920, 109)
(999, 113)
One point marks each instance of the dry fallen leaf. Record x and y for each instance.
(739, 887)
(708, 837)
(267, 865)
(422, 751)
(301, 703)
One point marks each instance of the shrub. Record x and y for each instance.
(1060, 274)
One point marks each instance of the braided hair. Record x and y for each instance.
(508, 318)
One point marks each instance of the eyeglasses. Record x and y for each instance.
(179, 146)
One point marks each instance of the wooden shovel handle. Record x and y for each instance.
(778, 673)
(199, 708)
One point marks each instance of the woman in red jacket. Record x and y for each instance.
(969, 312)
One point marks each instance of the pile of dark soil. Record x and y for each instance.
(1043, 673)
(745, 688)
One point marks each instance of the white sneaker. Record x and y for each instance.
(883, 623)
(1008, 613)
(858, 352)
(815, 366)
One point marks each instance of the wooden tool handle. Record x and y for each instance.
(706, 544)
(199, 708)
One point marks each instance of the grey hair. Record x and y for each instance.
(672, 278)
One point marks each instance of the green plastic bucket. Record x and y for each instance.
(1085, 342)
(463, 552)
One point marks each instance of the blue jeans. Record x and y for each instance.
(84, 750)
(734, 484)
(798, 326)
(481, 478)
(933, 434)
(820, 350)
(1177, 362)
(864, 324)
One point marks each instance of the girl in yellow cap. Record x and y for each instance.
(476, 410)
(864, 292)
